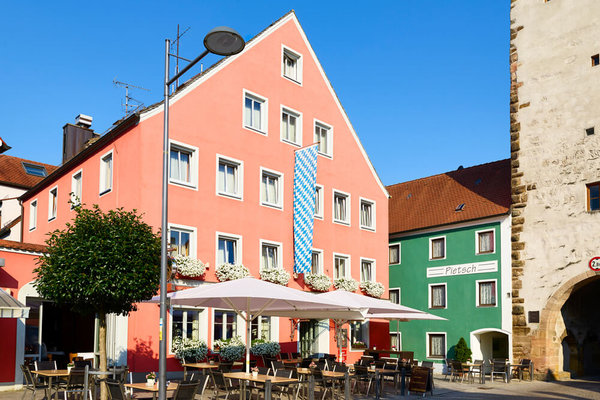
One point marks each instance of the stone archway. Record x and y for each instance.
(547, 340)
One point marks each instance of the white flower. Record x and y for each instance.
(188, 266)
(230, 272)
(275, 275)
(373, 289)
(262, 348)
(318, 282)
(189, 349)
(347, 284)
(231, 349)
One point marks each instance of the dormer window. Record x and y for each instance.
(35, 170)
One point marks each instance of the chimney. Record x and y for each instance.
(76, 136)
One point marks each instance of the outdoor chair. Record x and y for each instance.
(116, 390)
(323, 384)
(284, 356)
(76, 383)
(366, 360)
(140, 394)
(448, 369)
(32, 384)
(222, 385)
(44, 365)
(82, 363)
(499, 368)
(458, 371)
(277, 365)
(361, 375)
(479, 371)
(429, 364)
(225, 366)
(296, 355)
(305, 363)
(524, 365)
(340, 367)
(278, 390)
(186, 390)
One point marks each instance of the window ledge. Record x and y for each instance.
(297, 82)
(230, 196)
(102, 193)
(325, 155)
(182, 184)
(264, 133)
(339, 222)
(291, 143)
(51, 219)
(271, 205)
(367, 228)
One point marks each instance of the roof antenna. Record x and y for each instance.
(128, 99)
(176, 43)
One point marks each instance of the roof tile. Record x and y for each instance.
(12, 172)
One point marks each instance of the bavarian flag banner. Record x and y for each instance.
(305, 175)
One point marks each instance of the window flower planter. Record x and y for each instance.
(189, 267)
(275, 275)
(373, 289)
(230, 272)
(347, 284)
(317, 282)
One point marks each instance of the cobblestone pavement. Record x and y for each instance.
(571, 389)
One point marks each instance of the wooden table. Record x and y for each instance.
(380, 373)
(154, 388)
(52, 373)
(204, 366)
(292, 361)
(267, 380)
(475, 365)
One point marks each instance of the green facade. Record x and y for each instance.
(462, 312)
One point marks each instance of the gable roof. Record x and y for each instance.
(427, 202)
(12, 172)
(3, 146)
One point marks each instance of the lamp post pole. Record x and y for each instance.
(223, 41)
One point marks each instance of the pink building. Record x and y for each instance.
(234, 130)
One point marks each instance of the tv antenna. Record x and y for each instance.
(175, 43)
(128, 99)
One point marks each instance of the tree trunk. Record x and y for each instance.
(102, 348)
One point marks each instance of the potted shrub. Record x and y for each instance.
(231, 349)
(462, 352)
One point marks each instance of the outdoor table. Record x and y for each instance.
(267, 380)
(52, 373)
(153, 388)
(292, 361)
(204, 366)
(475, 365)
(380, 372)
(335, 375)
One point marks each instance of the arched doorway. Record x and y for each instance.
(490, 343)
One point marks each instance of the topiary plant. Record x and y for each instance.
(462, 351)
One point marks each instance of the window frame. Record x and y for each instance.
(212, 324)
(272, 243)
(52, 205)
(320, 192)
(239, 183)
(588, 186)
(373, 214)
(192, 231)
(75, 199)
(43, 172)
(293, 54)
(103, 165)
(193, 151)
(348, 208)
(201, 322)
(399, 292)
(264, 112)
(399, 245)
(478, 293)
(347, 266)
(259, 321)
(428, 345)
(477, 241)
(33, 213)
(329, 128)
(299, 131)
(396, 334)
(430, 295)
(431, 240)
(238, 249)
(321, 253)
(274, 174)
(373, 269)
(364, 332)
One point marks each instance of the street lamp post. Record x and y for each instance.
(222, 41)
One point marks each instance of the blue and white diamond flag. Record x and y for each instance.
(305, 175)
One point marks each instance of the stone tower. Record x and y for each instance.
(555, 160)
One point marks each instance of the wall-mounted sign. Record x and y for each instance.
(463, 269)
(595, 264)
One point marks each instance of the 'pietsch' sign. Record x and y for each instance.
(595, 264)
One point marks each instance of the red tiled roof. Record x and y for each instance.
(38, 248)
(432, 201)
(12, 172)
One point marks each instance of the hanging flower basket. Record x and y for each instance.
(275, 275)
(373, 289)
(347, 284)
(188, 266)
(318, 282)
(230, 272)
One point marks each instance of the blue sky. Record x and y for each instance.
(424, 82)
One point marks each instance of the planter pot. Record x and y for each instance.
(254, 374)
(69, 369)
(150, 382)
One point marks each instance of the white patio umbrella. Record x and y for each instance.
(250, 298)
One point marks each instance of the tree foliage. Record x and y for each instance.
(101, 262)
(462, 351)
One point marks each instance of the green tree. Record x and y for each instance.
(462, 351)
(101, 263)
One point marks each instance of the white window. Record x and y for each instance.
(367, 270)
(260, 328)
(229, 249)
(341, 266)
(486, 293)
(52, 203)
(271, 185)
(255, 112)
(33, 215)
(395, 295)
(367, 214)
(436, 345)
(437, 248)
(359, 335)
(291, 126)
(291, 67)
(76, 181)
(185, 323)
(341, 207)
(394, 253)
(270, 254)
(182, 240)
(224, 324)
(229, 177)
(319, 201)
(316, 266)
(396, 341)
(437, 295)
(485, 242)
(323, 136)
(183, 164)
(106, 173)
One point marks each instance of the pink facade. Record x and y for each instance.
(209, 124)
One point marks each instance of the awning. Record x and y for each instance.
(11, 307)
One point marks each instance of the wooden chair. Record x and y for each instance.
(32, 384)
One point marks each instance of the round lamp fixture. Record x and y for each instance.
(224, 41)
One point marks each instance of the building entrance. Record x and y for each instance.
(308, 337)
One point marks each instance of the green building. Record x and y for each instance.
(450, 255)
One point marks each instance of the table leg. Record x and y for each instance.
(184, 372)
(403, 383)
(377, 385)
(267, 390)
(347, 386)
(311, 387)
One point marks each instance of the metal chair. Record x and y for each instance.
(524, 365)
(361, 374)
(116, 390)
(186, 390)
(448, 369)
(277, 365)
(32, 384)
(499, 368)
(76, 383)
(44, 365)
(222, 385)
